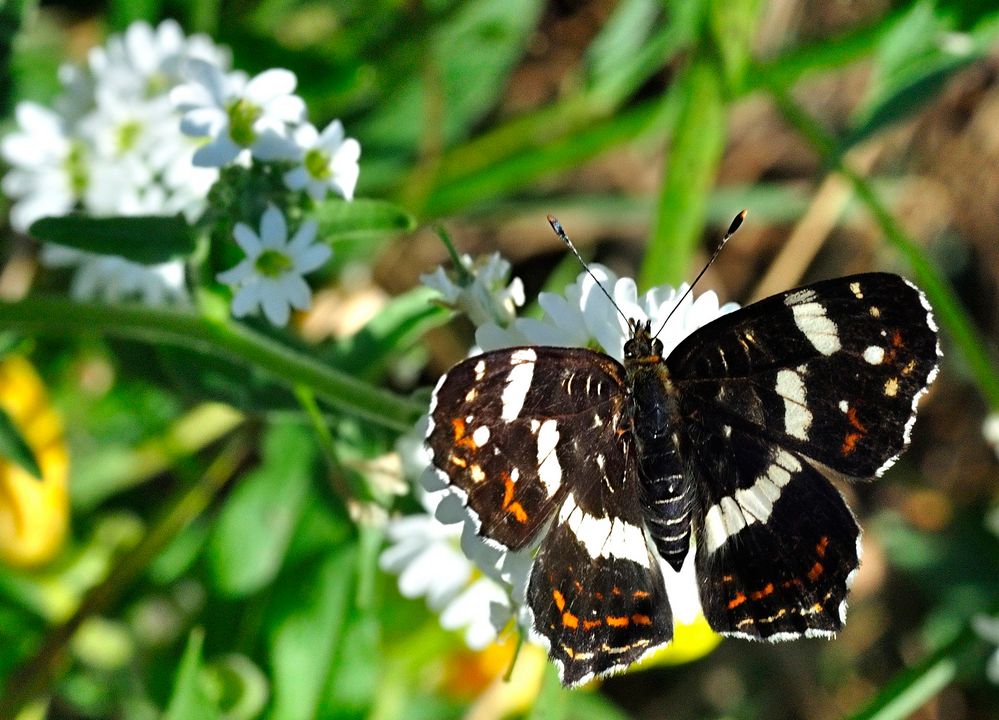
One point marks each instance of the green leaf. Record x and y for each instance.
(393, 331)
(304, 639)
(189, 701)
(252, 533)
(696, 149)
(14, 447)
(360, 219)
(466, 59)
(122, 13)
(145, 239)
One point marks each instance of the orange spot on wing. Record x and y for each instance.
(559, 600)
(615, 590)
(820, 549)
(459, 428)
(617, 621)
(512, 507)
(760, 594)
(518, 512)
(639, 594)
(735, 602)
(851, 415)
(896, 339)
(850, 443)
(816, 570)
(792, 582)
(640, 619)
(570, 620)
(590, 624)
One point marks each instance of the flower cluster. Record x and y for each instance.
(144, 127)
(111, 146)
(425, 547)
(260, 118)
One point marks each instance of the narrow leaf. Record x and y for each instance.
(249, 541)
(339, 220)
(698, 142)
(145, 239)
(14, 447)
(189, 701)
(303, 642)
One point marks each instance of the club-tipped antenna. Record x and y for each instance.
(557, 227)
(732, 228)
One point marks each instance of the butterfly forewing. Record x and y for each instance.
(832, 370)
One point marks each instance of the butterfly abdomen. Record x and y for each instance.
(667, 498)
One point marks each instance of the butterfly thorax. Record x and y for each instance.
(666, 495)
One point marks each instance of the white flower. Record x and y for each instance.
(432, 560)
(49, 171)
(145, 62)
(584, 317)
(113, 146)
(113, 279)
(237, 114)
(483, 291)
(271, 274)
(327, 160)
(988, 629)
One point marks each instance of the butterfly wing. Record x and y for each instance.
(819, 380)
(532, 438)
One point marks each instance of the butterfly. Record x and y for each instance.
(724, 449)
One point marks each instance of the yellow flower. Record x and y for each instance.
(34, 514)
(691, 641)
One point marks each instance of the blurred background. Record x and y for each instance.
(859, 135)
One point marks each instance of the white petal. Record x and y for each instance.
(275, 304)
(247, 239)
(312, 258)
(331, 136)
(296, 178)
(269, 84)
(304, 236)
(272, 145)
(296, 290)
(219, 152)
(287, 108)
(246, 299)
(237, 274)
(273, 229)
(204, 121)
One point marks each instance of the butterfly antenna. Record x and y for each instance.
(557, 227)
(732, 228)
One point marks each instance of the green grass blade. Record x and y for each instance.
(285, 365)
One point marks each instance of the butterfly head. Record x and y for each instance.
(642, 347)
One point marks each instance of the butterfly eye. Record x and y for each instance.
(629, 349)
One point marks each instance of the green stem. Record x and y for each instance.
(39, 672)
(913, 688)
(946, 305)
(339, 478)
(59, 317)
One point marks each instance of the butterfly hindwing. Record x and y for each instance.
(597, 593)
(776, 542)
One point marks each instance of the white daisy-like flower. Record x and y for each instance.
(584, 317)
(238, 115)
(49, 169)
(113, 279)
(327, 160)
(484, 292)
(271, 274)
(434, 559)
